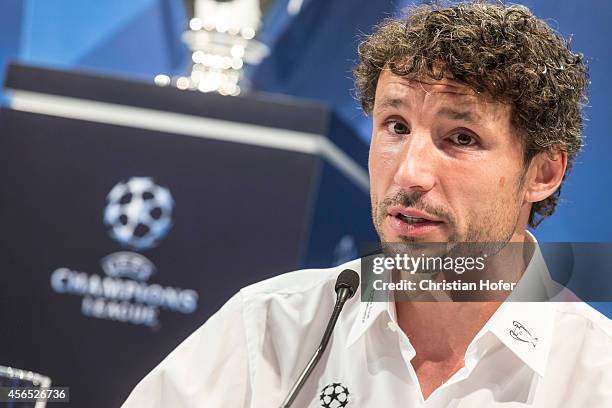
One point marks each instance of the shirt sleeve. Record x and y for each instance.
(209, 368)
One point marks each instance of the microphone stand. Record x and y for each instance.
(344, 293)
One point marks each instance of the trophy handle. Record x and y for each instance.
(15, 377)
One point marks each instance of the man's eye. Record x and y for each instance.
(398, 128)
(463, 139)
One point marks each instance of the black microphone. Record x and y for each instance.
(346, 286)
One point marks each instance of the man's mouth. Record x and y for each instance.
(411, 215)
(411, 222)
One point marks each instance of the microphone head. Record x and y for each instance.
(349, 279)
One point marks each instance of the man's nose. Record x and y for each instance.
(417, 161)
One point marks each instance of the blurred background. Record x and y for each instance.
(128, 129)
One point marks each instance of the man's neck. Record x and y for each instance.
(440, 332)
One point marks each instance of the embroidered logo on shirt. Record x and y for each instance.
(520, 333)
(334, 395)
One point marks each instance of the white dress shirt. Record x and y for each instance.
(251, 351)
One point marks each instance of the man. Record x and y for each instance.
(476, 120)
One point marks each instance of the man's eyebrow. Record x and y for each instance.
(390, 103)
(466, 116)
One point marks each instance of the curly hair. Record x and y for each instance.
(502, 52)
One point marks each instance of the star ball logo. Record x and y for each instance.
(138, 213)
(334, 395)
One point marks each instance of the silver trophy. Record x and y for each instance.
(16, 378)
(221, 37)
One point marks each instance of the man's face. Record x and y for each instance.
(445, 165)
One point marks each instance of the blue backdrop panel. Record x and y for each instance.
(10, 35)
(139, 38)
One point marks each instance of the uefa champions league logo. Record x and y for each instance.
(138, 213)
(335, 395)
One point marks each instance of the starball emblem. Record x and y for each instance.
(334, 395)
(138, 213)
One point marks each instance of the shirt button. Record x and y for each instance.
(392, 326)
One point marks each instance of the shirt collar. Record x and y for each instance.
(367, 314)
(525, 328)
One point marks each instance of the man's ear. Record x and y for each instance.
(545, 174)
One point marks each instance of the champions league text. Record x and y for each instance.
(122, 300)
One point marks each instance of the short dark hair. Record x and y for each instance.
(502, 52)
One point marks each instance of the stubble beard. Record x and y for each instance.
(496, 225)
